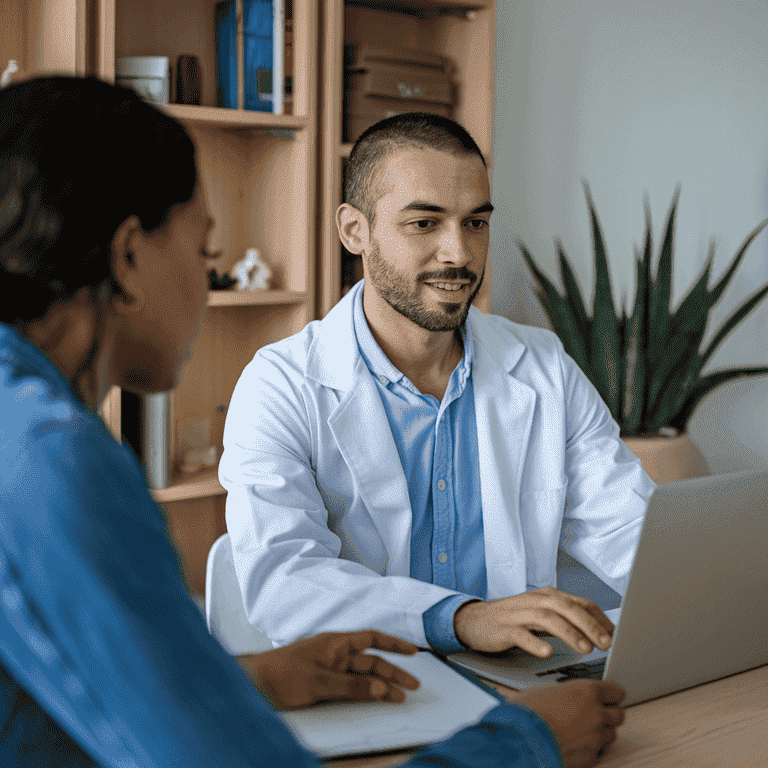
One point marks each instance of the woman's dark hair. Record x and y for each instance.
(77, 157)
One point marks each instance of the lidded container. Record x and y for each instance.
(149, 76)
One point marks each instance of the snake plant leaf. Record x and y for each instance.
(688, 378)
(679, 364)
(647, 367)
(560, 314)
(571, 287)
(662, 288)
(604, 341)
(738, 315)
(703, 387)
(634, 355)
(718, 290)
(694, 308)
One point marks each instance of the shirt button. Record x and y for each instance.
(383, 379)
(442, 557)
(441, 487)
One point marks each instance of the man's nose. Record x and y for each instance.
(453, 247)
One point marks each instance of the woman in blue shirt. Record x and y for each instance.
(104, 658)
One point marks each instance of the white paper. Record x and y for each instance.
(445, 703)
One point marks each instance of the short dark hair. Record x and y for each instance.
(78, 156)
(362, 188)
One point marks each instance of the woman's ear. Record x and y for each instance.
(353, 228)
(128, 295)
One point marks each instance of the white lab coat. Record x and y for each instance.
(318, 509)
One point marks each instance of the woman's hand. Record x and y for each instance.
(330, 667)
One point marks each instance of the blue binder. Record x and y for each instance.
(258, 47)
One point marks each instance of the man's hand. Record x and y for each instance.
(329, 667)
(498, 625)
(583, 715)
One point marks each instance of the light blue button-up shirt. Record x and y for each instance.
(437, 445)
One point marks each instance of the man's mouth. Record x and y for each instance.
(450, 287)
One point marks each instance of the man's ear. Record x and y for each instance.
(128, 289)
(353, 228)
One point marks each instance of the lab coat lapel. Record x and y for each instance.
(504, 409)
(361, 429)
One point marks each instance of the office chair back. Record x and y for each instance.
(224, 611)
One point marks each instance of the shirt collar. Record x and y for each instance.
(16, 350)
(380, 365)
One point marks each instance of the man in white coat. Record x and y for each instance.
(411, 464)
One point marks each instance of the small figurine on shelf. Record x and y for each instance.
(199, 458)
(252, 273)
(11, 74)
(222, 283)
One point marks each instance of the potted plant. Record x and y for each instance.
(648, 366)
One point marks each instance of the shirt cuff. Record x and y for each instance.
(508, 735)
(438, 624)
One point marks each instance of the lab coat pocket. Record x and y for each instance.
(541, 518)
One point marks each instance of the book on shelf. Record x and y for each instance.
(253, 37)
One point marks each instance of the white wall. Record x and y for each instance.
(636, 96)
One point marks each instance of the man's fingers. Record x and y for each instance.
(369, 664)
(527, 641)
(590, 629)
(555, 624)
(584, 614)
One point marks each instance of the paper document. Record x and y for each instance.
(443, 704)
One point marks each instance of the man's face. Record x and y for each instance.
(427, 252)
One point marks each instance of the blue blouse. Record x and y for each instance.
(104, 658)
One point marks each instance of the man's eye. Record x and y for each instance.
(477, 223)
(422, 224)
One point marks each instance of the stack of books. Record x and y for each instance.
(253, 42)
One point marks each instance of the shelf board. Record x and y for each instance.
(195, 488)
(217, 117)
(424, 8)
(234, 298)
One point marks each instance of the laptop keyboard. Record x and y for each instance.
(592, 670)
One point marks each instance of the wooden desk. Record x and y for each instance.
(723, 724)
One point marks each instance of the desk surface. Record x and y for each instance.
(722, 724)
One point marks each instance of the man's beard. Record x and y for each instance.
(395, 290)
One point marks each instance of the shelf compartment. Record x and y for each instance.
(424, 8)
(254, 298)
(194, 488)
(219, 117)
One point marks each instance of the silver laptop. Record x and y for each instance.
(696, 606)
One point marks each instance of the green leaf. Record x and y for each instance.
(694, 308)
(662, 288)
(634, 356)
(677, 371)
(560, 314)
(605, 351)
(718, 290)
(706, 385)
(572, 292)
(738, 315)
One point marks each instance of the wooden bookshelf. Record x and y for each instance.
(272, 181)
(254, 298)
(460, 29)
